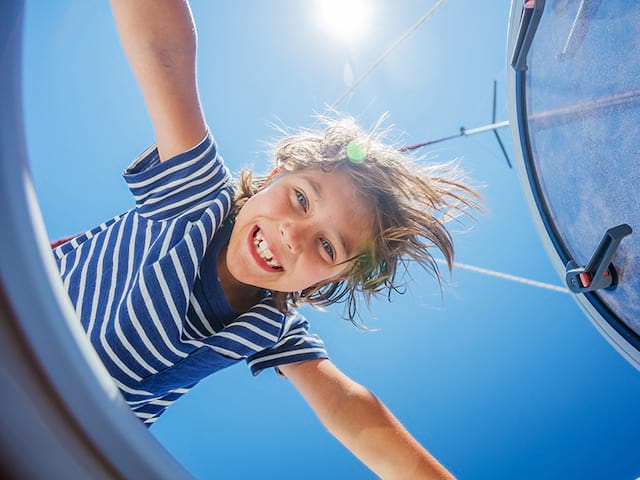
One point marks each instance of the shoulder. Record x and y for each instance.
(186, 182)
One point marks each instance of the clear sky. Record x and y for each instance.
(498, 380)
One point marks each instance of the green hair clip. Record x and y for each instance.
(356, 152)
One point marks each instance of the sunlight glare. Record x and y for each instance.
(344, 19)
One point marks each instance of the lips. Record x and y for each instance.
(262, 253)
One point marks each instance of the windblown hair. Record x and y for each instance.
(410, 201)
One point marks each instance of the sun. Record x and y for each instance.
(344, 19)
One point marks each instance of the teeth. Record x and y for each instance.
(263, 250)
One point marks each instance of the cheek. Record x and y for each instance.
(270, 202)
(236, 255)
(316, 272)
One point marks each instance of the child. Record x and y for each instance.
(202, 274)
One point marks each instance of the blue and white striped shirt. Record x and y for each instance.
(145, 288)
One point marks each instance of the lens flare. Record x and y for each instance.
(344, 19)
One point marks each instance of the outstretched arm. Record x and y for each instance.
(362, 423)
(159, 39)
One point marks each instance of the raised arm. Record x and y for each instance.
(362, 423)
(159, 39)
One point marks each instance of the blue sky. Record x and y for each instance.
(496, 379)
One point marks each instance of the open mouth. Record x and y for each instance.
(262, 250)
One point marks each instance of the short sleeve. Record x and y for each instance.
(179, 186)
(295, 345)
(149, 411)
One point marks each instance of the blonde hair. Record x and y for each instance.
(411, 202)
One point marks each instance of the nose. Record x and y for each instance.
(293, 236)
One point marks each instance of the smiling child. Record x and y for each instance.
(205, 272)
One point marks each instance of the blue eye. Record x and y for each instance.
(302, 200)
(327, 247)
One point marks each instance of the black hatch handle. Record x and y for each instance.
(599, 272)
(529, 19)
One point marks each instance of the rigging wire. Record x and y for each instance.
(388, 52)
(463, 132)
(506, 276)
(466, 132)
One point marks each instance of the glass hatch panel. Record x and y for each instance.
(583, 113)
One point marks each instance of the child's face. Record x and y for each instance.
(296, 232)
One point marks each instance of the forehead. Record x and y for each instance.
(340, 206)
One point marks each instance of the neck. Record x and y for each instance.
(240, 296)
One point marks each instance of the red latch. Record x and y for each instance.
(585, 279)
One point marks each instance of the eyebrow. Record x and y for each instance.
(317, 192)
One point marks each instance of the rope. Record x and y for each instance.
(388, 52)
(506, 276)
